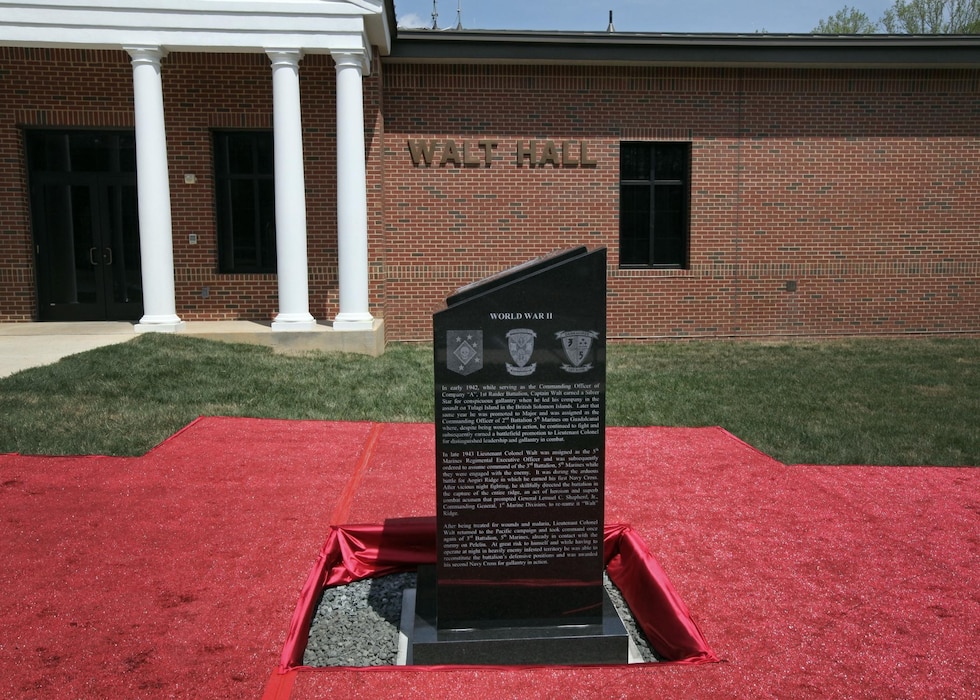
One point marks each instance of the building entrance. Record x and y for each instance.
(85, 221)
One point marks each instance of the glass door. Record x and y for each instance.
(86, 227)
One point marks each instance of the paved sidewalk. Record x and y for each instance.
(26, 345)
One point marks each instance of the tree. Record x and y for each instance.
(909, 17)
(847, 21)
(932, 17)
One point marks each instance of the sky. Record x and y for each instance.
(740, 16)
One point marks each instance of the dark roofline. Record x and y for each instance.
(389, 10)
(622, 48)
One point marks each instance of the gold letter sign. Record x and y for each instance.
(563, 154)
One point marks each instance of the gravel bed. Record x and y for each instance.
(357, 624)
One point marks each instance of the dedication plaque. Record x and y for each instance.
(520, 364)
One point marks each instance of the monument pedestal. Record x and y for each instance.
(601, 641)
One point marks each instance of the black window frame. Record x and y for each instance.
(658, 237)
(244, 200)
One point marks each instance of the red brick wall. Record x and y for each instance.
(858, 186)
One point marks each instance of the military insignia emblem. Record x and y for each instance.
(577, 345)
(464, 351)
(520, 342)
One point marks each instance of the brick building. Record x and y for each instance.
(744, 185)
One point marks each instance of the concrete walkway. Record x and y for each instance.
(26, 345)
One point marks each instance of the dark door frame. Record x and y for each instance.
(85, 225)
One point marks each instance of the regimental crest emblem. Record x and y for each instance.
(520, 342)
(464, 351)
(577, 345)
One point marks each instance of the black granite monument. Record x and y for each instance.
(520, 459)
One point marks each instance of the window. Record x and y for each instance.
(245, 201)
(654, 181)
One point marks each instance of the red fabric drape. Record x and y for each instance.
(355, 552)
(655, 604)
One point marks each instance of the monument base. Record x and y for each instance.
(603, 642)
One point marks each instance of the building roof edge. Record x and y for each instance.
(623, 48)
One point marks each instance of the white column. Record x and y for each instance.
(352, 244)
(153, 190)
(291, 259)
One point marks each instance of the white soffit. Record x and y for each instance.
(316, 26)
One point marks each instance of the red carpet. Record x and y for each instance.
(176, 574)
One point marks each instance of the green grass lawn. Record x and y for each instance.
(868, 401)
